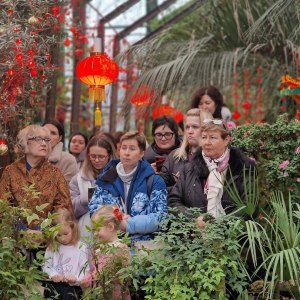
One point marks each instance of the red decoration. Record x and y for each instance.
(118, 214)
(236, 115)
(246, 105)
(33, 72)
(10, 72)
(97, 71)
(19, 56)
(142, 96)
(67, 42)
(79, 52)
(163, 110)
(179, 116)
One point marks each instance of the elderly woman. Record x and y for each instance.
(65, 161)
(214, 166)
(179, 157)
(165, 134)
(211, 99)
(131, 184)
(99, 152)
(33, 168)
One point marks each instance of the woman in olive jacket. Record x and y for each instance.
(214, 167)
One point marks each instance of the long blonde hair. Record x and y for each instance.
(181, 152)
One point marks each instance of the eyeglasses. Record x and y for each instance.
(216, 122)
(39, 139)
(101, 158)
(167, 135)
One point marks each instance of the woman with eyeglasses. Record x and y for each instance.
(130, 183)
(65, 161)
(177, 159)
(214, 168)
(165, 140)
(99, 152)
(33, 170)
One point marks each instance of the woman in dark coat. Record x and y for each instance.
(214, 167)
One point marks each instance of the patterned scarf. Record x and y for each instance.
(214, 184)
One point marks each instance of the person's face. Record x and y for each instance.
(99, 157)
(164, 137)
(106, 232)
(77, 144)
(39, 145)
(212, 144)
(54, 134)
(193, 130)
(207, 103)
(130, 154)
(65, 234)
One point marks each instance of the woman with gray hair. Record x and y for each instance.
(33, 169)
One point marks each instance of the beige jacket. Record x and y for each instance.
(65, 161)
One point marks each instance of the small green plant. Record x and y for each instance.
(191, 263)
(276, 148)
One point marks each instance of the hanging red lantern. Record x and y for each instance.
(142, 96)
(67, 42)
(163, 110)
(97, 70)
(10, 72)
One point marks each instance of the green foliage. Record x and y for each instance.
(191, 263)
(274, 246)
(271, 145)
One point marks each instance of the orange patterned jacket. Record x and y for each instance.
(49, 186)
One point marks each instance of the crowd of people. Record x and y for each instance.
(119, 183)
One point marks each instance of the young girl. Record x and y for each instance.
(111, 254)
(67, 262)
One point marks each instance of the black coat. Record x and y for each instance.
(189, 190)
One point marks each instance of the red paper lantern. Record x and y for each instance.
(79, 52)
(163, 110)
(97, 71)
(246, 105)
(142, 96)
(236, 115)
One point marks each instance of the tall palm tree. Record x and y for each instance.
(218, 39)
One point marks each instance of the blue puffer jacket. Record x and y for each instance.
(146, 214)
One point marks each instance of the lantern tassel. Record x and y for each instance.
(97, 93)
(98, 117)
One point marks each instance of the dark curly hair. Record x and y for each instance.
(214, 94)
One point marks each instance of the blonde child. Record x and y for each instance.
(111, 254)
(66, 260)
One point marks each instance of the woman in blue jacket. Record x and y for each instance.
(131, 184)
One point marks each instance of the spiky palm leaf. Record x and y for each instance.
(225, 41)
(277, 240)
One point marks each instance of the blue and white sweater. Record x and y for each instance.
(146, 214)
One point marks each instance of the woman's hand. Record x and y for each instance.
(200, 222)
(123, 222)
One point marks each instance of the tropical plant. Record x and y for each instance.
(217, 40)
(276, 150)
(191, 263)
(274, 246)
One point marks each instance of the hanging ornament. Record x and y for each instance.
(67, 42)
(33, 21)
(79, 52)
(246, 105)
(142, 96)
(236, 115)
(98, 115)
(3, 147)
(10, 72)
